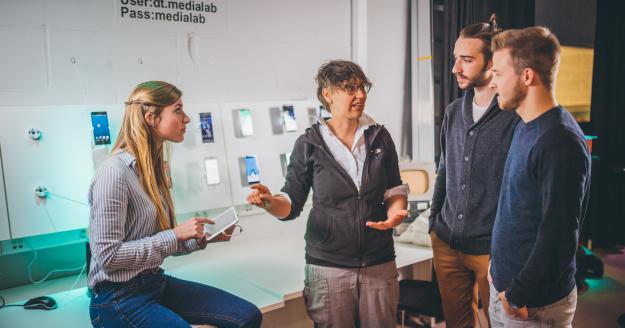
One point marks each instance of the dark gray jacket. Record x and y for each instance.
(336, 234)
(470, 169)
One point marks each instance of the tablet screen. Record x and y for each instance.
(222, 222)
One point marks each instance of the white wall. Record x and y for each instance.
(250, 50)
(387, 38)
(386, 62)
(81, 55)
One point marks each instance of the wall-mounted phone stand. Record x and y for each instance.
(34, 134)
(41, 192)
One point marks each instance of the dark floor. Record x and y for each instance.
(604, 301)
(600, 303)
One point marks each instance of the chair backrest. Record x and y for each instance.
(420, 177)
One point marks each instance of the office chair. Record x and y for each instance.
(421, 298)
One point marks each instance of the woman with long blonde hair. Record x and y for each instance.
(133, 228)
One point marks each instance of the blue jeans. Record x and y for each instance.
(557, 315)
(153, 299)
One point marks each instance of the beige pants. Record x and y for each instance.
(358, 297)
(460, 276)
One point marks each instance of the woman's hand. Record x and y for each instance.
(224, 236)
(193, 228)
(389, 223)
(260, 196)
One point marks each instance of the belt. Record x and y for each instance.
(156, 270)
(102, 284)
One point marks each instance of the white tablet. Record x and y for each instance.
(222, 221)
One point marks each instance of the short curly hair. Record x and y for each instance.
(335, 72)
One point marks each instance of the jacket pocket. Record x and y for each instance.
(319, 228)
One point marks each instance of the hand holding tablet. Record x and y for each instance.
(222, 222)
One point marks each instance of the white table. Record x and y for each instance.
(265, 271)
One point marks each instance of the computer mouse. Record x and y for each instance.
(41, 303)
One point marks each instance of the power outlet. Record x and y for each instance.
(17, 245)
(13, 246)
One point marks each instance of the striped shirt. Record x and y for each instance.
(124, 231)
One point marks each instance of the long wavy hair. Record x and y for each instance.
(136, 137)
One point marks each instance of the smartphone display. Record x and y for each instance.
(100, 124)
(285, 160)
(251, 169)
(206, 125)
(323, 113)
(288, 115)
(211, 167)
(245, 122)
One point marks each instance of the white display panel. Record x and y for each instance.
(190, 188)
(211, 168)
(265, 145)
(4, 215)
(60, 161)
(63, 160)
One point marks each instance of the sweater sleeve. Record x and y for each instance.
(298, 178)
(561, 163)
(440, 191)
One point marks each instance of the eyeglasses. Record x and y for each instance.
(352, 88)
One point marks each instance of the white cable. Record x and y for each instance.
(30, 265)
(64, 297)
(45, 208)
(68, 199)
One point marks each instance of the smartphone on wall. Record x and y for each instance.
(251, 169)
(323, 113)
(206, 125)
(285, 160)
(211, 167)
(245, 122)
(100, 125)
(288, 115)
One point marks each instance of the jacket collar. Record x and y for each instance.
(366, 124)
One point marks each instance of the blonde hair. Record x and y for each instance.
(135, 136)
(533, 47)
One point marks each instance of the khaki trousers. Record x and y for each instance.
(348, 298)
(460, 276)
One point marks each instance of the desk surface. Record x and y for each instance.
(267, 272)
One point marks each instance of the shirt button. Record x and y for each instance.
(471, 133)
(466, 158)
(460, 216)
(463, 187)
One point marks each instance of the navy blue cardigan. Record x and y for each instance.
(473, 155)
